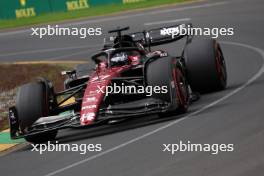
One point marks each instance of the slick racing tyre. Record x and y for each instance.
(31, 104)
(206, 68)
(166, 72)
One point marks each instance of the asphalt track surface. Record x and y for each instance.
(135, 148)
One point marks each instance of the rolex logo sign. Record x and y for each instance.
(22, 2)
(23, 11)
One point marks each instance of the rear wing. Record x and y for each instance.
(157, 36)
(160, 36)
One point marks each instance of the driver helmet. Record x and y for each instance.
(119, 59)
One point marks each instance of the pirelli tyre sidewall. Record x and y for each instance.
(205, 64)
(31, 104)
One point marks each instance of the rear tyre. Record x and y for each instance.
(31, 104)
(167, 72)
(206, 68)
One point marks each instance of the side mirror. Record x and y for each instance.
(63, 73)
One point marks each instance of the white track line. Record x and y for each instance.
(252, 79)
(66, 55)
(166, 22)
(121, 17)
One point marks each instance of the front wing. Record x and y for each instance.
(72, 120)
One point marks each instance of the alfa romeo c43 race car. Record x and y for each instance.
(126, 60)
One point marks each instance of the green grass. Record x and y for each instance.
(91, 12)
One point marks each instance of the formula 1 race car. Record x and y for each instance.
(129, 80)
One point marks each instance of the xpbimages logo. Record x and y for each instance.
(184, 29)
(65, 31)
(214, 149)
(56, 147)
(131, 89)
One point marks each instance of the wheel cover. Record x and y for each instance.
(181, 89)
(220, 64)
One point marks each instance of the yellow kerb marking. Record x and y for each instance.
(6, 131)
(6, 146)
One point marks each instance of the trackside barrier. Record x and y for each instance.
(23, 8)
(28, 8)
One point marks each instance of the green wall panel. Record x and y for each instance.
(28, 8)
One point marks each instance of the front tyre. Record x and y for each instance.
(32, 103)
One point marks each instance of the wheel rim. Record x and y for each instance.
(220, 65)
(181, 89)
